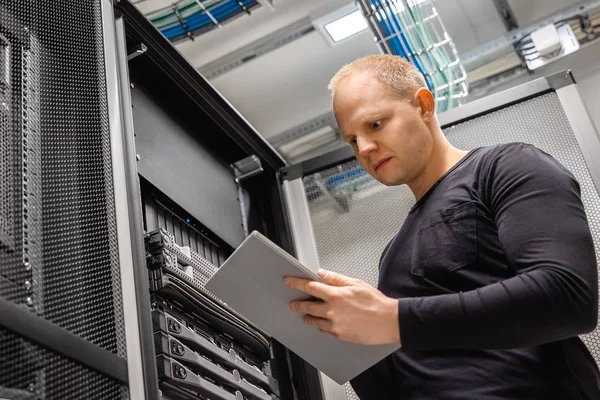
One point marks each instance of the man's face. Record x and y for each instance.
(388, 134)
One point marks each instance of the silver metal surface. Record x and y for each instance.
(243, 212)
(331, 390)
(300, 224)
(32, 170)
(583, 128)
(136, 222)
(560, 79)
(132, 334)
(306, 253)
(247, 168)
(138, 50)
(243, 170)
(487, 104)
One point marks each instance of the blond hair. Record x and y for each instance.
(395, 72)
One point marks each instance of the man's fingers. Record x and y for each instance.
(324, 325)
(313, 288)
(335, 279)
(314, 308)
(329, 333)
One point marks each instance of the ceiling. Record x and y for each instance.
(529, 11)
(286, 87)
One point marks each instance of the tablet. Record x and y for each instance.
(251, 282)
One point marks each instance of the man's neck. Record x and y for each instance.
(442, 159)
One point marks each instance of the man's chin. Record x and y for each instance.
(390, 182)
(385, 178)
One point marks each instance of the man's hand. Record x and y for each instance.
(350, 309)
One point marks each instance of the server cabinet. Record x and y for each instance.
(69, 326)
(342, 218)
(199, 178)
(89, 205)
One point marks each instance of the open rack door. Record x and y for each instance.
(69, 326)
(204, 178)
(342, 218)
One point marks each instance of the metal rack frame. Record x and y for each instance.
(164, 73)
(57, 339)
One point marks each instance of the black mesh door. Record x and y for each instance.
(58, 245)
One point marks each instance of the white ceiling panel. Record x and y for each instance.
(531, 10)
(288, 86)
(470, 22)
(247, 29)
(148, 6)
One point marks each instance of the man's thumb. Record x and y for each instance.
(335, 279)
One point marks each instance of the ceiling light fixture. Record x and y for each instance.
(346, 26)
(338, 24)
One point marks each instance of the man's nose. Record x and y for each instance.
(365, 146)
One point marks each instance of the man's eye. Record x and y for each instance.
(353, 141)
(375, 125)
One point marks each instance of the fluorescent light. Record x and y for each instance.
(346, 26)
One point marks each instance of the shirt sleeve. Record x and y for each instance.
(543, 229)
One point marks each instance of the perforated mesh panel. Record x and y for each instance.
(350, 219)
(10, 180)
(354, 217)
(79, 239)
(7, 146)
(28, 372)
(58, 245)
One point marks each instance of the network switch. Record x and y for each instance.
(202, 345)
(232, 380)
(206, 345)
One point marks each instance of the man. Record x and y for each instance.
(493, 273)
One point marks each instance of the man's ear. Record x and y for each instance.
(425, 101)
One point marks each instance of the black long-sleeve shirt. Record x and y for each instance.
(496, 275)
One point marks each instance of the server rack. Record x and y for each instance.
(69, 326)
(84, 95)
(84, 310)
(341, 218)
(199, 179)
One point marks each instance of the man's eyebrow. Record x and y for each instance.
(370, 117)
(346, 136)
